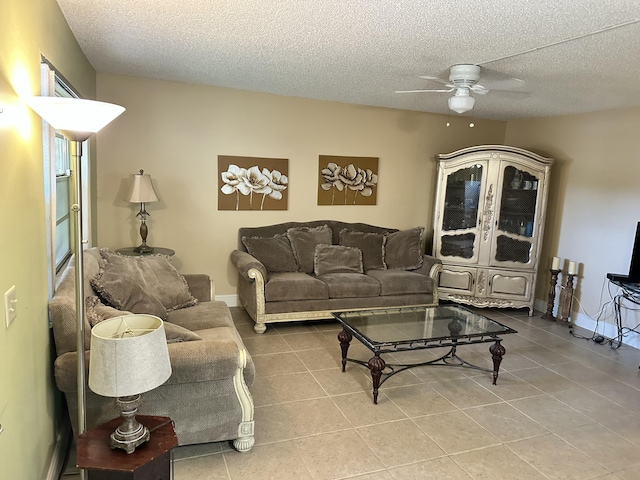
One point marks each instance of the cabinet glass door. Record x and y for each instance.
(517, 216)
(460, 213)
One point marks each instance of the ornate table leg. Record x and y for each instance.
(497, 351)
(376, 365)
(345, 339)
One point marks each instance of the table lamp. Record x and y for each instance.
(129, 356)
(142, 192)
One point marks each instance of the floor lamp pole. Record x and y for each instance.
(76, 153)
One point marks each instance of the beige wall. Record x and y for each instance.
(29, 401)
(594, 195)
(175, 132)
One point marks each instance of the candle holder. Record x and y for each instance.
(565, 302)
(551, 299)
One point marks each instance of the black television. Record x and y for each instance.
(634, 267)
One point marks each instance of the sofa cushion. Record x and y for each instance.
(274, 253)
(337, 259)
(371, 245)
(153, 273)
(202, 316)
(403, 249)
(176, 333)
(350, 285)
(401, 282)
(294, 286)
(304, 241)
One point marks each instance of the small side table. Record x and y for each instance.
(131, 251)
(150, 461)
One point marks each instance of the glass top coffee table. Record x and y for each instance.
(404, 329)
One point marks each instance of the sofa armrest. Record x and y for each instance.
(431, 267)
(244, 263)
(196, 361)
(200, 285)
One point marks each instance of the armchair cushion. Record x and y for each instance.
(274, 253)
(304, 241)
(154, 274)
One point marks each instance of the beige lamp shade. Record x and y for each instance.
(142, 189)
(129, 356)
(76, 118)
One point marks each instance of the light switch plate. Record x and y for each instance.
(10, 305)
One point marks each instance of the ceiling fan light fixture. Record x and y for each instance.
(461, 102)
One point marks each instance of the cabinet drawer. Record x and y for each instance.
(457, 279)
(510, 285)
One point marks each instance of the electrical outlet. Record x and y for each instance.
(10, 305)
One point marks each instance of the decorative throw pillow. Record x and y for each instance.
(274, 253)
(371, 245)
(154, 274)
(176, 333)
(337, 259)
(403, 249)
(96, 311)
(304, 241)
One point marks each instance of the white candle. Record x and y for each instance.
(555, 263)
(572, 268)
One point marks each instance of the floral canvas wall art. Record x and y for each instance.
(252, 183)
(347, 180)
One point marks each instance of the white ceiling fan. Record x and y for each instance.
(463, 81)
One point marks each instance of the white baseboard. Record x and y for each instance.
(59, 456)
(230, 300)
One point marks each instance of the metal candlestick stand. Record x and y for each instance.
(565, 302)
(548, 315)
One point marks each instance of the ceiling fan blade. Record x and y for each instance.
(425, 91)
(479, 89)
(511, 93)
(435, 79)
(495, 80)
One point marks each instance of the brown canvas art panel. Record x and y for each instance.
(252, 183)
(347, 180)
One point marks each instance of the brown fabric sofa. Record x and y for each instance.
(207, 394)
(299, 271)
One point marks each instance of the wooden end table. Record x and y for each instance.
(150, 461)
(131, 251)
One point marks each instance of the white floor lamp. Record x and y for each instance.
(77, 119)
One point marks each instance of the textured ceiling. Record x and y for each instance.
(362, 51)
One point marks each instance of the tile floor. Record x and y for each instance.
(564, 408)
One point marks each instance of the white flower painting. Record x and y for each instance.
(252, 187)
(347, 180)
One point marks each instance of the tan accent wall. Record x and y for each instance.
(594, 194)
(30, 405)
(176, 131)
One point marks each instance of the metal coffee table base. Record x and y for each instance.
(377, 365)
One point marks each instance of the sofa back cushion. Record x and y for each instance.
(337, 259)
(372, 246)
(304, 241)
(403, 249)
(274, 253)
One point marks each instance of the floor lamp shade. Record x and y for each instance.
(129, 356)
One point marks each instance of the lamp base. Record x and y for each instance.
(130, 434)
(143, 248)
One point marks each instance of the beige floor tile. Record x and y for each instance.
(418, 400)
(510, 387)
(437, 469)
(631, 473)
(285, 388)
(496, 462)
(209, 467)
(336, 382)
(579, 373)
(505, 422)
(591, 404)
(513, 360)
(320, 358)
(288, 328)
(377, 475)
(277, 460)
(277, 364)
(297, 419)
(464, 393)
(360, 410)
(556, 459)
(455, 432)
(603, 446)
(551, 413)
(399, 443)
(620, 393)
(337, 455)
(545, 379)
(543, 355)
(265, 344)
(307, 341)
(197, 450)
